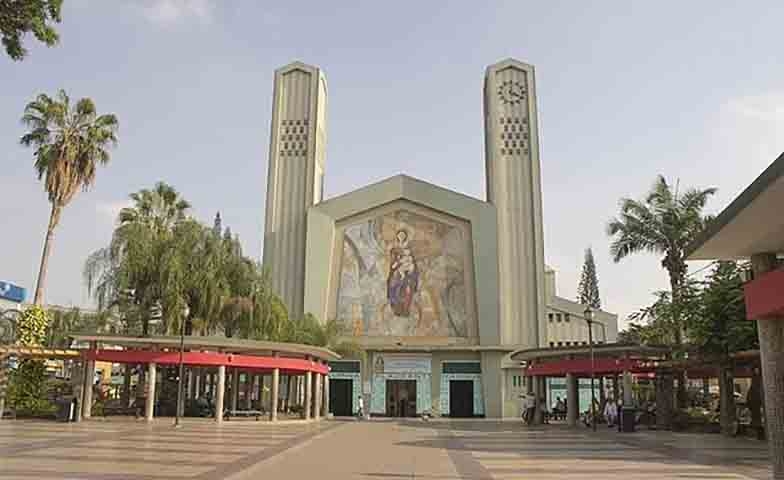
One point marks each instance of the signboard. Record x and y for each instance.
(401, 364)
(11, 292)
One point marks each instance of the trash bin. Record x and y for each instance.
(627, 419)
(66, 409)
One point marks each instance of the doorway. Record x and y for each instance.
(461, 398)
(401, 398)
(340, 397)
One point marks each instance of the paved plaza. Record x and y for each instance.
(438, 450)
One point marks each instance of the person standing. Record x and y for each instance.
(530, 407)
(360, 407)
(610, 413)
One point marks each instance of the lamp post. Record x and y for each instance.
(177, 407)
(588, 313)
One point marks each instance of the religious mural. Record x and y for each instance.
(403, 274)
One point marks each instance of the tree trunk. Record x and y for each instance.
(54, 218)
(727, 416)
(754, 399)
(664, 386)
(676, 281)
(126, 391)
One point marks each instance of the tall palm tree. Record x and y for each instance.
(69, 141)
(664, 223)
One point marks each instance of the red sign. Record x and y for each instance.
(765, 296)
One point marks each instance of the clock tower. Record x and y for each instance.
(295, 176)
(514, 187)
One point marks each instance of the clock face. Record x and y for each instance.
(511, 92)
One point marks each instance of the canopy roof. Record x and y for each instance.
(215, 344)
(606, 350)
(752, 223)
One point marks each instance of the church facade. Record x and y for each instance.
(438, 287)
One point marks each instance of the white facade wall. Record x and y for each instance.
(514, 187)
(295, 176)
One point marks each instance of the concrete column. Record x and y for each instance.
(317, 406)
(538, 392)
(327, 406)
(771, 339)
(149, 406)
(572, 400)
(248, 391)
(197, 384)
(274, 395)
(628, 399)
(616, 388)
(602, 393)
(87, 389)
(77, 377)
(262, 402)
(308, 399)
(125, 395)
(235, 388)
(189, 388)
(220, 392)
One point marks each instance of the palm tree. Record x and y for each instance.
(131, 271)
(664, 223)
(69, 141)
(160, 208)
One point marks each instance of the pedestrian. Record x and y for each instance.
(360, 407)
(543, 408)
(610, 413)
(530, 407)
(559, 409)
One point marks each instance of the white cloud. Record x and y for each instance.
(169, 12)
(110, 210)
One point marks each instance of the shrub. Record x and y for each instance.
(27, 389)
(32, 327)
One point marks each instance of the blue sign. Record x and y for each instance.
(14, 293)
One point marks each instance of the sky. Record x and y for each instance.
(626, 91)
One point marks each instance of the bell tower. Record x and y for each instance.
(295, 176)
(514, 187)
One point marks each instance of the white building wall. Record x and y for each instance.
(295, 176)
(514, 187)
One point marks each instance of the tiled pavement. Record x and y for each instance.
(378, 450)
(511, 451)
(125, 449)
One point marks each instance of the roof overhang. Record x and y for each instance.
(607, 350)
(214, 344)
(752, 223)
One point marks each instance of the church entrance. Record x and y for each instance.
(401, 398)
(340, 401)
(461, 398)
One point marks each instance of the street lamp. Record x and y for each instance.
(177, 407)
(588, 313)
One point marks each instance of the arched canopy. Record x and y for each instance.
(208, 351)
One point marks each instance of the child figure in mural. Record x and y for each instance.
(403, 279)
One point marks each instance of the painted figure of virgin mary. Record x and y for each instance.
(403, 279)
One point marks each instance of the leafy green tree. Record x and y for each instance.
(665, 222)
(20, 17)
(65, 322)
(588, 290)
(131, 272)
(69, 141)
(32, 327)
(26, 391)
(721, 329)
